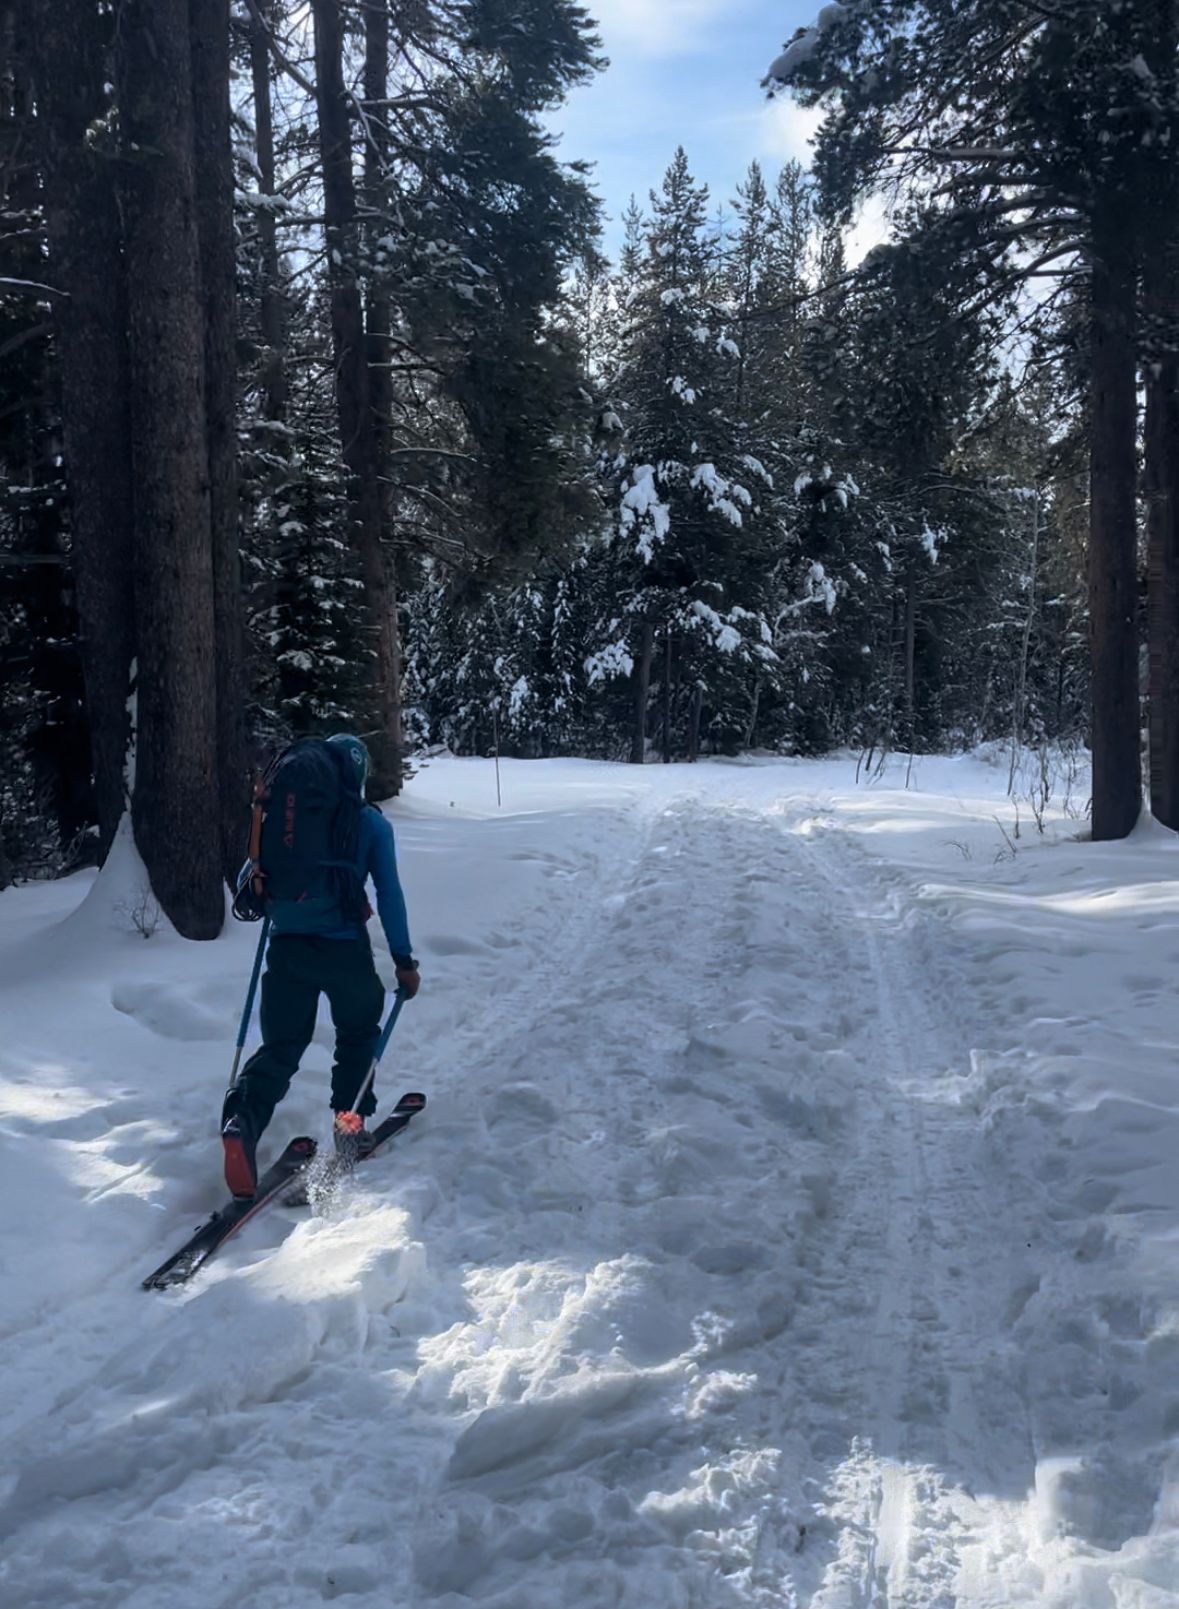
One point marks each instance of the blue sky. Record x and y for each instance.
(684, 72)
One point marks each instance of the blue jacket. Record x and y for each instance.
(376, 858)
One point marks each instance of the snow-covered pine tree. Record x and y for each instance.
(684, 552)
(314, 632)
(780, 436)
(1057, 142)
(924, 367)
(309, 654)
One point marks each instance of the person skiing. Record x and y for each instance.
(320, 945)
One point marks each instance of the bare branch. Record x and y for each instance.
(31, 285)
(33, 333)
(276, 50)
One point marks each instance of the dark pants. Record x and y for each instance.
(298, 969)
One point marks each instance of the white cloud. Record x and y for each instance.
(645, 26)
(871, 228)
(787, 129)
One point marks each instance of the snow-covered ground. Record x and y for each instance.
(794, 1221)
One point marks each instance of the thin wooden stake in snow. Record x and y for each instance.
(499, 798)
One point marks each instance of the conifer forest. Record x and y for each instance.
(601, 576)
(323, 404)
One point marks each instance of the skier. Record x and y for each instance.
(314, 949)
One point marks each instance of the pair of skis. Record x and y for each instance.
(280, 1181)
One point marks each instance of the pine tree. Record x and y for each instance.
(1053, 149)
(687, 518)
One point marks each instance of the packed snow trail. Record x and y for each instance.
(714, 1275)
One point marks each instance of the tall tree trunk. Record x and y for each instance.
(754, 710)
(694, 727)
(286, 577)
(641, 682)
(273, 310)
(352, 391)
(1021, 670)
(378, 308)
(910, 659)
(85, 263)
(177, 803)
(209, 30)
(1113, 536)
(667, 653)
(1161, 298)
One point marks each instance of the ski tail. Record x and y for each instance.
(224, 1224)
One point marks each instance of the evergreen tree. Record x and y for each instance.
(687, 519)
(1053, 150)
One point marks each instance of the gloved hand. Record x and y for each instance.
(409, 979)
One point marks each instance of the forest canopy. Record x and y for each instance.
(323, 406)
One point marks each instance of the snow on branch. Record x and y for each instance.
(31, 285)
(726, 639)
(644, 512)
(614, 660)
(723, 494)
(803, 46)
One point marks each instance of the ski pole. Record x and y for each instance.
(249, 1009)
(399, 1000)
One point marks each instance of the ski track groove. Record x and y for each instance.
(948, 1390)
(857, 1367)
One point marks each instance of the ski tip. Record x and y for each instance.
(304, 1146)
(158, 1282)
(413, 1102)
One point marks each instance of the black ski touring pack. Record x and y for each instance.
(303, 835)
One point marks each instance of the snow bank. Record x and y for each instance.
(792, 1221)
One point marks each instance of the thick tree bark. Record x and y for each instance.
(353, 395)
(754, 710)
(1161, 298)
(209, 32)
(1021, 670)
(177, 803)
(273, 310)
(82, 231)
(641, 681)
(1113, 536)
(910, 660)
(667, 656)
(378, 313)
(694, 726)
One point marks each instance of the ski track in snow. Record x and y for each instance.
(702, 1283)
